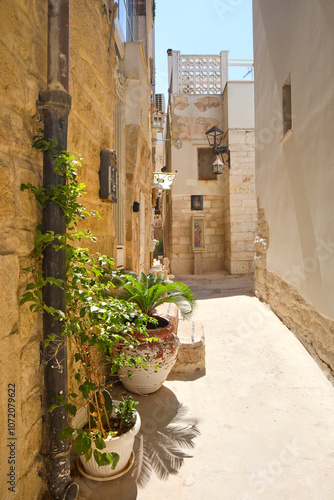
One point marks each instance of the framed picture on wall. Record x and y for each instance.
(198, 233)
(196, 202)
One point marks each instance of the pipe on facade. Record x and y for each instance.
(114, 11)
(55, 104)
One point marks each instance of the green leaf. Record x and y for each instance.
(70, 408)
(86, 388)
(99, 442)
(52, 407)
(27, 297)
(66, 433)
(82, 444)
(60, 398)
(103, 459)
(88, 455)
(31, 286)
(49, 339)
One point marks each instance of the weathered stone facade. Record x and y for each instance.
(22, 76)
(229, 202)
(182, 252)
(311, 328)
(139, 182)
(23, 35)
(240, 206)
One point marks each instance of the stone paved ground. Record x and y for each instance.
(258, 425)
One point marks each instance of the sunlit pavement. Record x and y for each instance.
(259, 424)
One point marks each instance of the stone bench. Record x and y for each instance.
(191, 357)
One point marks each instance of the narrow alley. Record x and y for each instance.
(258, 425)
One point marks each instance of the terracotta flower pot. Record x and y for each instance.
(161, 357)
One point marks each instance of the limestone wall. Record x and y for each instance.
(22, 75)
(230, 209)
(229, 200)
(212, 259)
(138, 157)
(139, 181)
(23, 52)
(314, 330)
(242, 209)
(192, 116)
(91, 120)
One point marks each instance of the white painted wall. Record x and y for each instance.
(138, 91)
(295, 180)
(240, 105)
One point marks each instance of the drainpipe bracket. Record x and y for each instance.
(57, 100)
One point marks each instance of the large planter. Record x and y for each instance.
(123, 445)
(161, 356)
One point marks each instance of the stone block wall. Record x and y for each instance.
(139, 180)
(91, 119)
(241, 208)
(23, 38)
(230, 217)
(182, 255)
(23, 52)
(315, 331)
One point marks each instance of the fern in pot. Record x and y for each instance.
(159, 345)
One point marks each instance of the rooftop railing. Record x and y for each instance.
(208, 74)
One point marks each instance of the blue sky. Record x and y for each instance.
(201, 27)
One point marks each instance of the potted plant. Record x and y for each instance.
(102, 430)
(111, 455)
(92, 322)
(160, 345)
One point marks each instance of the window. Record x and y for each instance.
(205, 161)
(127, 19)
(286, 102)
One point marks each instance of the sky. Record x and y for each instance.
(202, 27)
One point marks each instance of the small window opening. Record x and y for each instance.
(205, 161)
(287, 109)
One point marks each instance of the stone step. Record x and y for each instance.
(191, 357)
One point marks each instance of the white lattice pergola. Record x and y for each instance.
(202, 74)
(199, 74)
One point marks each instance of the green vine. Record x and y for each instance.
(94, 318)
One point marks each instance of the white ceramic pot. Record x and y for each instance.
(123, 445)
(162, 353)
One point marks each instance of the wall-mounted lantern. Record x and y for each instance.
(108, 175)
(217, 166)
(215, 137)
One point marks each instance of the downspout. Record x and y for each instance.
(55, 104)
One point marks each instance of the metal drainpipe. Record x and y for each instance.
(55, 105)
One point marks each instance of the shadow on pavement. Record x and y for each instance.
(187, 377)
(211, 287)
